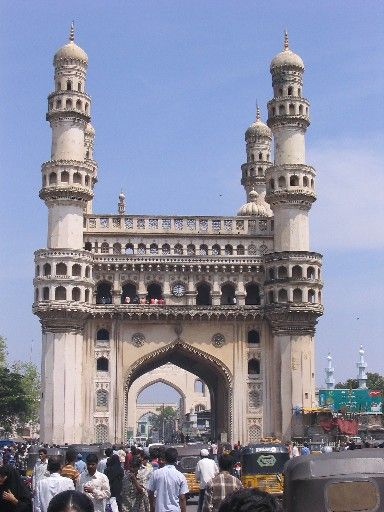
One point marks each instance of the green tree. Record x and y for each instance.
(164, 421)
(3, 352)
(374, 381)
(30, 379)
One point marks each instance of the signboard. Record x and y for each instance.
(352, 400)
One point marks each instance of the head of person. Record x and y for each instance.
(204, 453)
(249, 499)
(226, 462)
(134, 450)
(43, 454)
(161, 456)
(305, 445)
(108, 452)
(70, 501)
(92, 461)
(71, 456)
(79, 457)
(135, 464)
(54, 465)
(171, 456)
(113, 460)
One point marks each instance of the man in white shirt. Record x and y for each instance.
(206, 469)
(169, 485)
(48, 487)
(40, 469)
(94, 484)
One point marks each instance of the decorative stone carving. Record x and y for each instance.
(218, 340)
(138, 339)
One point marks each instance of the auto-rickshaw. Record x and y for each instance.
(262, 466)
(189, 456)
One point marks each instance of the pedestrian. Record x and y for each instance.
(69, 470)
(115, 474)
(94, 484)
(134, 496)
(80, 465)
(169, 485)
(214, 448)
(103, 462)
(40, 469)
(221, 485)
(205, 470)
(295, 450)
(305, 449)
(250, 499)
(48, 487)
(70, 501)
(15, 496)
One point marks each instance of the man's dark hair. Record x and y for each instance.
(70, 500)
(108, 452)
(247, 500)
(135, 462)
(54, 465)
(92, 458)
(226, 462)
(171, 455)
(71, 455)
(43, 450)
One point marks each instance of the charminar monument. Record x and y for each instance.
(233, 300)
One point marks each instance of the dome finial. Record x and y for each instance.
(286, 42)
(257, 112)
(72, 32)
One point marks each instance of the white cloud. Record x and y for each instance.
(349, 213)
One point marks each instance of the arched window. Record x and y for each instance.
(37, 270)
(252, 157)
(260, 171)
(86, 181)
(166, 249)
(69, 85)
(76, 294)
(102, 398)
(47, 269)
(58, 103)
(253, 336)
(305, 181)
(191, 250)
(274, 111)
(282, 272)
(312, 183)
(216, 250)
(64, 177)
(294, 181)
(271, 273)
(299, 92)
(310, 273)
(36, 294)
(60, 293)
(116, 248)
(86, 108)
(311, 296)
(291, 109)
(199, 408)
(253, 367)
(45, 293)
(104, 248)
(44, 181)
(252, 294)
(128, 293)
(289, 91)
(297, 272)
(300, 109)
(280, 92)
(88, 246)
(78, 105)
(61, 269)
(102, 335)
(297, 295)
(203, 297)
(281, 109)
(228, 294)
(77, 178)
(154, 292)
(79, 86)
(129, 249)
(68, 103)
(203, 250)
(141, 249)
(87, 295)
(102, 364)
(76, 269)
(240, 250)
(101, 433)
(199, 386)
(104, 293)
(272, 184)
(282, 182)
(283, 295)
(260, 156)
(228, 250)
(153, 249)
(271, 297)
(53, 178)
(178, 249)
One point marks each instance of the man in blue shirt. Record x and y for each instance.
(305, 450)
(169, 485)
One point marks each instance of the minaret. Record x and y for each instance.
(329, 372)
(121, 204)
(361, 366)
(63, 282)
(293, 285)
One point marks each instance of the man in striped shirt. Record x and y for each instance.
(221, 485)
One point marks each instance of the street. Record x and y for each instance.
(192, 504)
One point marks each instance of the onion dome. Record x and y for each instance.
(258, 128)
(89, 130)
(287, 58)
(256, 206)
(121, 196)
(71, 51)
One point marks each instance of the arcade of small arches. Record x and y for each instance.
(285, 108)
(68, 178)
(291, 181)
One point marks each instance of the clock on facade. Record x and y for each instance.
(178, 289)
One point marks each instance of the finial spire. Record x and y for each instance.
(286, 42)
(72, 32)
(257, 112)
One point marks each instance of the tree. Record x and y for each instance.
(3, 352)
(30, 379)
(164, 422)
(374, 381)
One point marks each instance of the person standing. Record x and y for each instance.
(69, 469)
(40, 469)
(48, 487)
(214, 448)
(221, 485)
(205, 470)
(115, 474)
(15, 496)
(169, 485)
(94, 484)
(134, 497)
(295, 450)
(80, 465)
(305, 449)
(102, 464)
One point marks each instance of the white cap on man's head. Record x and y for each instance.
(204, 452)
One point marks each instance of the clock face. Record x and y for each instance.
(178, 289)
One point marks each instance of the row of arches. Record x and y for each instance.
(62, 269)
(293, 181)
(296, 295)
(68, 85)
(289, 90)
(62, 293)
(69, 104)
(75, 178)
(295, 272)
(259, 157)
(290, 109)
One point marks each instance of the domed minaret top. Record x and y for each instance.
(70, 51)
(258, 128)
(286, 58)
(256, 206)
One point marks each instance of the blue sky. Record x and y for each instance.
(174, 86)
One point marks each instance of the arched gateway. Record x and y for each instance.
(241, 292)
